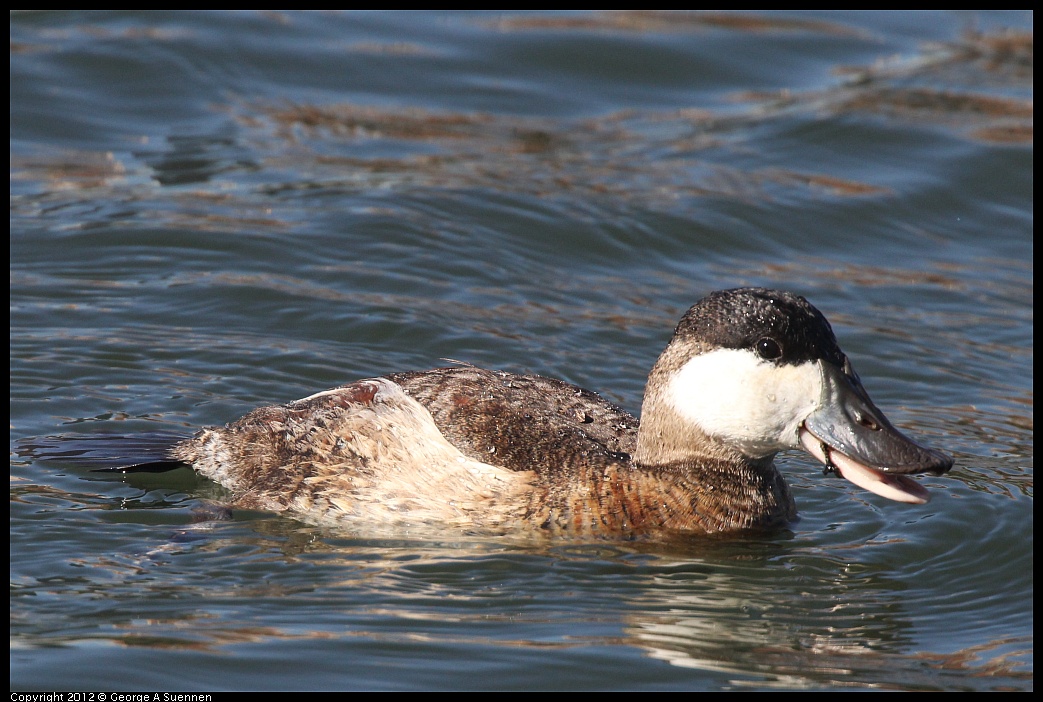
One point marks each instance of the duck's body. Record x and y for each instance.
(748, 373)
(477, 449)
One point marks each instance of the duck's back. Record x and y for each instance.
(451, 445)
(522, 422)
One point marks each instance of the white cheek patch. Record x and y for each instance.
(752, 404)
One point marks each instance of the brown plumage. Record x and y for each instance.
(489, 452)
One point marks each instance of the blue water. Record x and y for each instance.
(216, 211)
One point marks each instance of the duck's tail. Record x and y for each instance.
(147, 452)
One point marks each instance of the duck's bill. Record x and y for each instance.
(893, 486)
(849, 434)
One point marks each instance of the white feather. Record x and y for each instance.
(751, 404)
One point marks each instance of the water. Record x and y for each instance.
(211, 212)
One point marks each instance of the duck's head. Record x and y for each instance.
(754, 371)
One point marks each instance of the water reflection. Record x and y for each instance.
(781, 612)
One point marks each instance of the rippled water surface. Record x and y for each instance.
(211, 212)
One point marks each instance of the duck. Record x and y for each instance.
(748, 373)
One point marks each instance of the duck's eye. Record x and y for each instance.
(768, 349)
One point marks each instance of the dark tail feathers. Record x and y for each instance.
(147, 452)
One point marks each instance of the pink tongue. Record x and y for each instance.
(894, 487)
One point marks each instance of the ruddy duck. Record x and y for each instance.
(749, 372)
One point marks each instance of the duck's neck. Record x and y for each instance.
(706, 485)
(665, 436)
